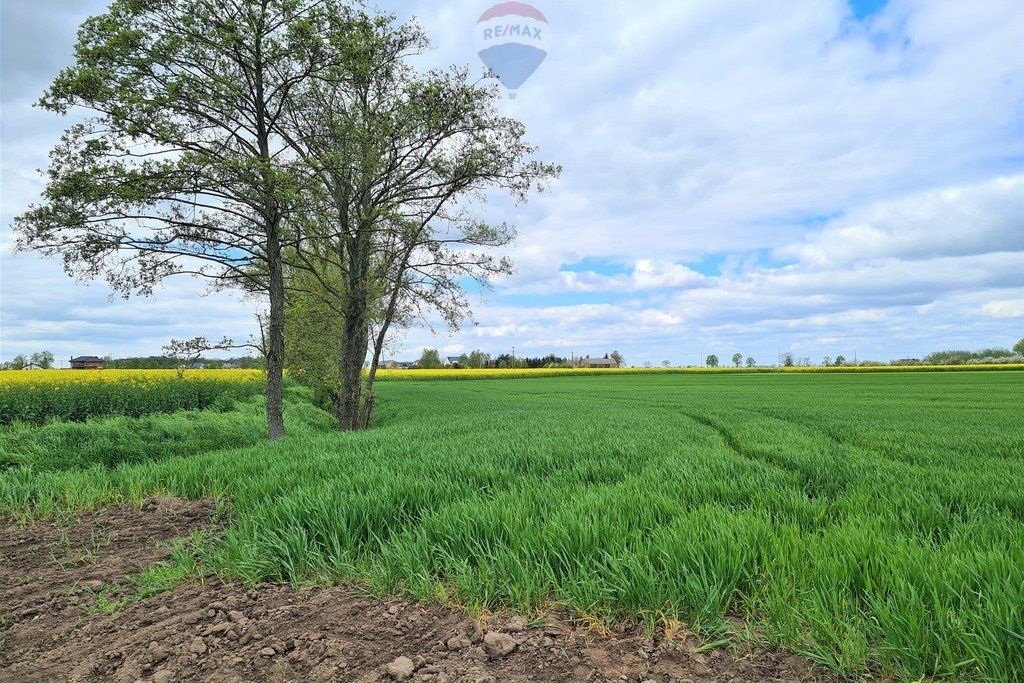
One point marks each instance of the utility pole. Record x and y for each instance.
(513, 358)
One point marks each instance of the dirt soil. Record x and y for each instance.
(52, 577)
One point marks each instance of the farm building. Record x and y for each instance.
(452, 362)
(597, 363)
(32, 366)
(87, 363)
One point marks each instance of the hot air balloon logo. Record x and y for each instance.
(512, 39)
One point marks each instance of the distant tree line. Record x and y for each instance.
(431, 359)
(993, 355)
(982, 356)
(169, 363)
(40, 359)
(549, 361)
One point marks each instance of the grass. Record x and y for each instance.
(182, 565)
(869, 521)
(113, 441)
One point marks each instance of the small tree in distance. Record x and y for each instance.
(187, 352)
(666, 363)
(712, 361)
(430, 360)
(787, 360)
(826, 361)
(43, 359)
(751, 362)
(737, 359)
(1018, 348)
(617, 357)
(840, 361)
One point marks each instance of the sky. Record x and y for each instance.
(819, 177)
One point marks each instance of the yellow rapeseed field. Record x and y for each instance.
(136, 377)
(39, 395)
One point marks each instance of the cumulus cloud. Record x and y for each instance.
(1004, 309)
(956, 221)
(647, 275)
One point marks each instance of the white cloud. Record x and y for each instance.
(1004, 309)
(647, 275)
(977, 219)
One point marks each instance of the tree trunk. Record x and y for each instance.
(378, 343)
(354, 340)
(350, 361)
(275, 336)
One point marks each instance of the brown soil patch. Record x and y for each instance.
(215, 632)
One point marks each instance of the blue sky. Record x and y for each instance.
(814, 176)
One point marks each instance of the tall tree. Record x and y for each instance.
(737, 359)
(178, 167)
(396, 157)
(43, 359)
(712, 361)
(430, 360)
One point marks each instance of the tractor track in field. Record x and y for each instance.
(733, 444)
(727, 436)
(53, 575)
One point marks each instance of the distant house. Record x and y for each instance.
(87, 363)
(453, 362)
(597, 363)
(32, 366)
(400, 364)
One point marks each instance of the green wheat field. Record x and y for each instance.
(874, 522)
